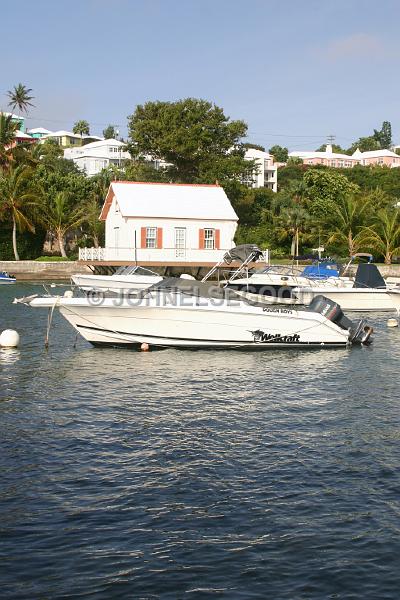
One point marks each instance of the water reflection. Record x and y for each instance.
(9, 356)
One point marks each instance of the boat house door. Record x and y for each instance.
(180, 242)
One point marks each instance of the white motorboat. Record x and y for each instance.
(369, 292)
(277, 282)
(280, 281)
(180, 313)
(131, 278)
(6, 278)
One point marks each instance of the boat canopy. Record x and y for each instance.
(368, 276)
(243, 253)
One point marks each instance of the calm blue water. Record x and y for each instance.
(198, 475)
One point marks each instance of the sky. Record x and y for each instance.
(295, 72)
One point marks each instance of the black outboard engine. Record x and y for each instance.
(360, 332)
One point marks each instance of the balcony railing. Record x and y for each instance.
(155, 255)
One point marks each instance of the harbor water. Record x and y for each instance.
(196, 474)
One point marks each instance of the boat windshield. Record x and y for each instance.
(278, 270)
(135, 270)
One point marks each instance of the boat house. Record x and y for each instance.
(165, 223)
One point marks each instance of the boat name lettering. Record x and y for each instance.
(285, 311)
(260, 337)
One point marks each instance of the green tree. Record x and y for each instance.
(94, 227)
(8, 128)
(324, 188)
(19, 97)
(384, 234)
(193, 136)
(18, 201)
(294, 161)
(81, 127)
(279, 153)
(384, 135)
(59, 216)
(364, 144)
(250, 204)
(349, 216)
(142, 170)
(109, 132)
(293, 222)
(249, 145)
(335, 148)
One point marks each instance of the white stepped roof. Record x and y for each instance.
(62, 133)
(327, 155)
(102, 143)
(40, 130)
(23, 135)
(169, 200)
(375, 154)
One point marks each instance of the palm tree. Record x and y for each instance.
(19, 97)
(95, 227)
(59, 218)
(8, 128)
(292, 222)
(384, 234)
(16, 200)
(345, 224)
(81, 127)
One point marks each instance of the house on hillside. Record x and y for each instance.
(154, 223)
(337, 160)
(327, 158)
(38, 132)
(92, 158)
(64, 138)
(267, 175)
(16, 119)
(23, 138)
(385, 158)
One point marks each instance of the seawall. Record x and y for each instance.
(25, 270)
(34, 270)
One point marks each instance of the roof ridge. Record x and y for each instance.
(169, 183)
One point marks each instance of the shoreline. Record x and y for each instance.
(30, 270)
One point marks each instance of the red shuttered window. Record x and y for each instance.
(201, 239)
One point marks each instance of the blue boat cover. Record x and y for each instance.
(320, 271)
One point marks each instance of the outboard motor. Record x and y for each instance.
(360, 332)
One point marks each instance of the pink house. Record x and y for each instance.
(327, 158)
(385, 158)
(334, 159)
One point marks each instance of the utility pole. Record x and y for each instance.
(331, 139)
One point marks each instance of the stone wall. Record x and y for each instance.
(35, 270)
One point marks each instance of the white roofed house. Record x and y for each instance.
(267, 175)
(166, 223)
(92, 158)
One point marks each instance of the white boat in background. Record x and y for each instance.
(369, 292)
(180, 313)
(5, 278)
(130, 278)
(278, 281)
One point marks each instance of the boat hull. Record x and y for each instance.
(351, 299)
(203, 325)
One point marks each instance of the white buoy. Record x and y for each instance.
(392, 323)
(144, 347)
(9, 338)
(68, 294)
